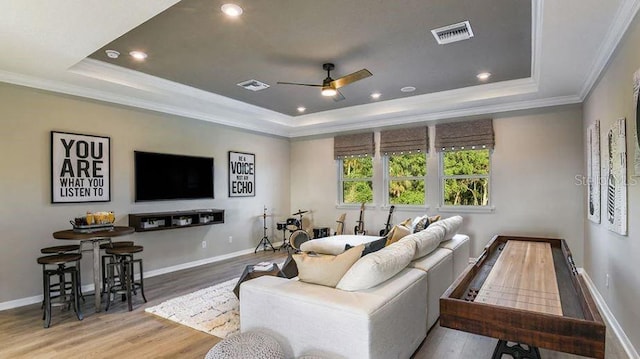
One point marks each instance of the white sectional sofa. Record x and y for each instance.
(387, 321)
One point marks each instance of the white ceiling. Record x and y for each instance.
(44, 44)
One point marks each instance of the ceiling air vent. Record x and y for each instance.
(452, 33)
(253, 85)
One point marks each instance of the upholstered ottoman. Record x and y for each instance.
(252, 344)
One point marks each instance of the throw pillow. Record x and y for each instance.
(426, 241)
(371, 246)
(398, 232)
(326, 270)
(450, 225)
(375, 268)
(422, 224)
(406, 222)
(434, 219)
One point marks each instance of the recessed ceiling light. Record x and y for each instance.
(408, 89)
(483, 76)
(232, 10)
(138, 55)
(112, 54)
(376, 95)
(301, 109)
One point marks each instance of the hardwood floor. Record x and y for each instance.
(136, 334)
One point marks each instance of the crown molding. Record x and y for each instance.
(623, 18)
(437, 116)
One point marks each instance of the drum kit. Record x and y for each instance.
(297, 234)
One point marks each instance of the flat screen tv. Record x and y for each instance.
(160, 176)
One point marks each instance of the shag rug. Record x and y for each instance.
(214, 310)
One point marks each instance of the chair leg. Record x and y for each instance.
(74, 289)
(110, 279)
(128, 282)
(142, 281)
(79, 281)
(47, 300)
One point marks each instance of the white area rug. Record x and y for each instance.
(214, 310)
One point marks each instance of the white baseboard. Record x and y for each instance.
(147, 274)
(609, 318)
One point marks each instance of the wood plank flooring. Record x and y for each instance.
(136, 334)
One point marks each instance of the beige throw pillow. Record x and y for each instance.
(377, 267)
(326, 270)
(397, 233)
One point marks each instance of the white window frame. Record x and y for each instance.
(387, 178)
(342, 180)
(479, 209)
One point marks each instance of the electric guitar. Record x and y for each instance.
(359, 229)
(387, 227)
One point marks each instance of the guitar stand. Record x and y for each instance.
(264, 242)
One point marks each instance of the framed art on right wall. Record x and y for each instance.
(616, 178)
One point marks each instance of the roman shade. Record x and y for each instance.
(360, 144)
(403, 140)
(466, 135)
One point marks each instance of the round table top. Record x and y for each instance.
(115, 232)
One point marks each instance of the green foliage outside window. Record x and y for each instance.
(466, 178)
(406, 178)
(357, 183)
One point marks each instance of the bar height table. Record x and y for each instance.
(96, 238)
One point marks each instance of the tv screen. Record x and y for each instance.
(160, 176)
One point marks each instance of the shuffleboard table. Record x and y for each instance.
(527, 293)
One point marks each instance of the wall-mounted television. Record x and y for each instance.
(160, 176)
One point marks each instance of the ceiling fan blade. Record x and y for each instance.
(338, 96)
(353, 77)
(296, 83)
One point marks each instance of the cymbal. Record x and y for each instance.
(298, 213)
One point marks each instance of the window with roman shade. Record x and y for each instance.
(404, 160)
(354, 154)
(467, 135)
(465, 162)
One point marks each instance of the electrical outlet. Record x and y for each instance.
(230, 239)
(606, 281)
(204, 244)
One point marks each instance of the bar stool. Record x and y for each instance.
(124, 283)
(110, 258)
(70, 248)
(61, 270)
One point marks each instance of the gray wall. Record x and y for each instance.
(607, 252)
(537, 157)
(27, 218)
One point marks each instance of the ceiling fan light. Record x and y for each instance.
(329, 91)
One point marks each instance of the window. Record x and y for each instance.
(465, 177)
(405, 176)
(356, 180)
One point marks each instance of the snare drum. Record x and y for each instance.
(293, 224)
(281, 225)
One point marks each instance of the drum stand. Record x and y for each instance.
(285, 241)
(265, 239)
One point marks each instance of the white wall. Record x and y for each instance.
(27, 218)
(607, 252)
(534, 167)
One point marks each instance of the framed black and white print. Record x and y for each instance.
(242, 175)
(80, 168)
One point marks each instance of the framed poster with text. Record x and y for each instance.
(80, 168)
(242, 176)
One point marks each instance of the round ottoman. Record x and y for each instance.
(246, 345)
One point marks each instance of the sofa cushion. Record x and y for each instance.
(397, 232)
(335, 244)
(426, 241)
(371, 246)
(377, 267)
(326, 270)
(451, 226)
